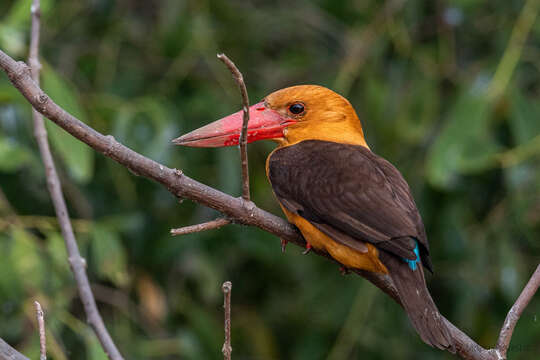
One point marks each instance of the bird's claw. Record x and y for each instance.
(344, 271)
(283, 245)
(308, 249)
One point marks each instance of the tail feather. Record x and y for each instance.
(417, 301)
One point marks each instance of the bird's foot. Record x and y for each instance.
(283, 244)
(308, 249)
(344, 271)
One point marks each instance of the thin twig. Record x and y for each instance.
(237, 76)
(182, 186)
(227, 348)
(214, 224)
(41, 327)
(515, 312)
(55, 190)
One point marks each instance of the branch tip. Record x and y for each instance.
(226, 287)
(227, 348)
(40, 316)
(210, 225)
(239, 79)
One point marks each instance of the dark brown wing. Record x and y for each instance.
(353, 191)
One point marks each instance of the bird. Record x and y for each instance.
(345, 200)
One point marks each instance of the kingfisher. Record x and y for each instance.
(345, 200)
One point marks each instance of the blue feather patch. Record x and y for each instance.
(412, 263)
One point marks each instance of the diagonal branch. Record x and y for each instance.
(55, 190)
(237, 75)
(180, 185)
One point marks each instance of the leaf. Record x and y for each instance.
(10, 286)
(25, 256)
(465, 144)
(12, 40)
(109, 255)
(524, 122)
(59, 275)
(94, 349)
(14, 26)
(78, 157)
(19, 13)
(13, 156)
(152, 299)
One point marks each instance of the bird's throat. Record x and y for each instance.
(342, 132)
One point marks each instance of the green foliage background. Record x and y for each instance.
(447, 90)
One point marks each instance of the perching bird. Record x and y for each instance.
(343, 198)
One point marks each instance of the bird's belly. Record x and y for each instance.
(346, 255)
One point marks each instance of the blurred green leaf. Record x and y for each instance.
(8, 93)
(94, 348)
(524, 121)
(465, 144)
(13, 156)
(78, 157)
(109, 255)
(27, 261)
(10, 285)
(12, 40)
(19, 13)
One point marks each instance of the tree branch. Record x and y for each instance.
(214, 224)
(53, 183)
(237, 75)
(180, 185)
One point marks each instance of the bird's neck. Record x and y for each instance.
(345, 132)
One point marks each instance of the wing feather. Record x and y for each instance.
(349, 193)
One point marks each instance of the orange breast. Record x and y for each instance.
(347, 256)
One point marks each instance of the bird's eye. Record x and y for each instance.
(296, 108)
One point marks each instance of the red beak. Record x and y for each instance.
(263, 124)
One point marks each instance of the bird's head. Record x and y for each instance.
(287, 116)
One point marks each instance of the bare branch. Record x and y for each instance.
(227, 348)
(53, 183)
(239, 210)
(515, 312)
(214, 224)
(237, 75)
(41, 328)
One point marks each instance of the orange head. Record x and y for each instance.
(287, 116)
